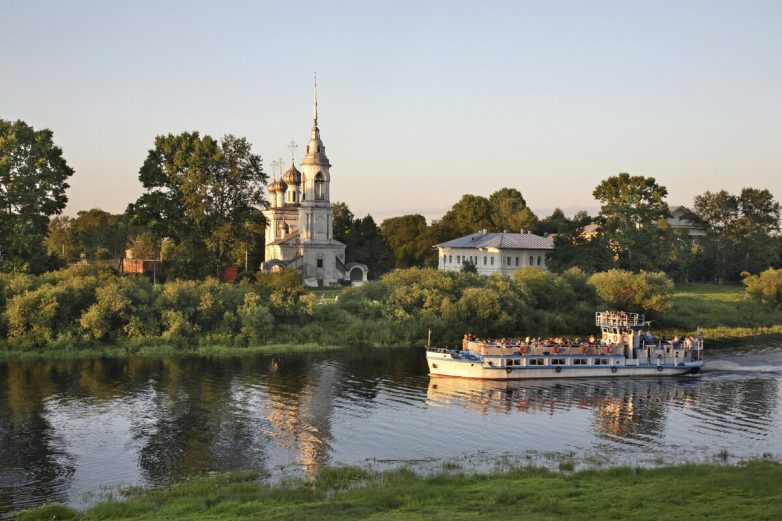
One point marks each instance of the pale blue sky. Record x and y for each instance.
(420, 102)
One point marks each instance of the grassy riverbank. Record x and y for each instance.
(692, 491)
(161, 350)
(83, 313)
(722, 311)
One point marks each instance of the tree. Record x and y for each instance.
(633, 217)
(575, 245)
(343, 219)
(97, 229)
(201, 193)
(410, 240)
(509, 211)
(470, 214)
(739, 231)
(363, 240)
(33, 177)
(557, 222)
(61, 241)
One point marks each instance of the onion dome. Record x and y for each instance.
(292, 177)
(277, 186)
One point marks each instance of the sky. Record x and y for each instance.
(419, 102)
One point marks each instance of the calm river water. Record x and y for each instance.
(69, 429)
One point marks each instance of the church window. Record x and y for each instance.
(319, 195)
(320, 263)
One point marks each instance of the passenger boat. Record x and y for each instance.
(625, 348)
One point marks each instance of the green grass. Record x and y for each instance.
(159, 350)
(692, 491)
(721, 311)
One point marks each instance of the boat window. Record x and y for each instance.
(579, 361)
(557, 361)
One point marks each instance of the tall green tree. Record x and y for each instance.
(61, 241)
(202, 193)
(557, 222)
(363, 240)
(509, 212)
(470, 214)
(33, 176)
(633, 218)
(410, 240)
(740, 231)
(578, 245)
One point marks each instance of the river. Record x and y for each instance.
(71, 430)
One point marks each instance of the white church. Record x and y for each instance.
(300, 224)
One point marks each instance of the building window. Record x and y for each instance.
(445, 258)
(492, 260)
(319, 263)
(538, 260)
(458, 259)
(531, 260)
(450, 259)
(507, 262)
(319, 193)
(517, 261)
(484, 260)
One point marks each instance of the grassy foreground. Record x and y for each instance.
(692, 491)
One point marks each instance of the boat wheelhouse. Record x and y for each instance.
(625, 348)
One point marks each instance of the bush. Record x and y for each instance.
(257, 322)
(645, 291)
(765, 287)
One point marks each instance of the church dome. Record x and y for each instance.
(277, 186)
(292, 176)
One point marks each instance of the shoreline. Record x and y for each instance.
(728, 337)
(747, 337)
(746, 490)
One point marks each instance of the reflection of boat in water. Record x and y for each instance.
(624, 408)
(626, 348)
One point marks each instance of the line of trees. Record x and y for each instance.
(84, 306)
(201, 212)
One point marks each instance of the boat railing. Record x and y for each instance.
(619, 319)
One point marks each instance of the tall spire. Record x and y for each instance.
(316, 152)
(315, 104)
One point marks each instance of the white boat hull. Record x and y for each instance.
(444, 366)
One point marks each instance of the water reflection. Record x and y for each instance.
(623, 409)
(68, 427)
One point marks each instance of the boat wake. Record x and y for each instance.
(733, 367)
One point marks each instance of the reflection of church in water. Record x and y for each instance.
(300, 223)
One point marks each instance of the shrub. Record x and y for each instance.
(256, 319)
(645, 291)
(765, 287)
